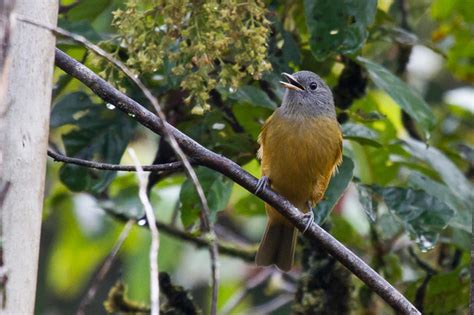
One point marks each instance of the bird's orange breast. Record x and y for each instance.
(299, 155)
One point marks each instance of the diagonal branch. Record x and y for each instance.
(230, 169)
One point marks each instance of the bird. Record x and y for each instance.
(300, 150)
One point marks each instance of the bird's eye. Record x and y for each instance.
(313, 86)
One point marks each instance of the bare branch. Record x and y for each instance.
(104, 269)
(230, 169)
(113, 167)
(155, 237)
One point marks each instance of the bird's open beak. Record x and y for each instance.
(292, 83)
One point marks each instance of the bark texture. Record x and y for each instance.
(24, 126)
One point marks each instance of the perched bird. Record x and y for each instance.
(300, 148)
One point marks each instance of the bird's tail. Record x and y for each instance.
(278, 245)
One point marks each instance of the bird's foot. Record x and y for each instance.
(262, 184)
(309, 217)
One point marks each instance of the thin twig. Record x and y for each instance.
(233, 171)
(205, 217)
(155, 238)
(104, 269)
(113, 167)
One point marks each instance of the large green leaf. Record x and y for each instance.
(251, 118)
(422, 215)
(338, 26)
(463, 217)
(98, 134)
(401, 93)
(217, 189)
(455, 181)
(337, 186)
(361, 134)
(73, 104)
(450, 174)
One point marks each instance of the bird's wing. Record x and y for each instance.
(262, 136)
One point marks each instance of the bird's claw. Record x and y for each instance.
(262, 184)
(309, 216)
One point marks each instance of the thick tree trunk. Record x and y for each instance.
(25, 97)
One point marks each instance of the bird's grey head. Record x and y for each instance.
(307, 94)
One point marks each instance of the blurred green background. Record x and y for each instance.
(402, 74)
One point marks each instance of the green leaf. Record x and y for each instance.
(443, 193)
(337, 186)
(249, 206)
(338, 26)
(83, 28)
(422, 215)
(87, 10)
(217, 189)
(455, 181)
(392, 268)
(75, 177)
(66, 110)
(344, 232)
(288, 54)
(251, 118)
(254, 96)
(99, 134)
(401, 93)
(389, 225)
(441, 9)
(361, 134)
(448, 293)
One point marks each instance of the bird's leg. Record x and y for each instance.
(262, 184)
(309, 216)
